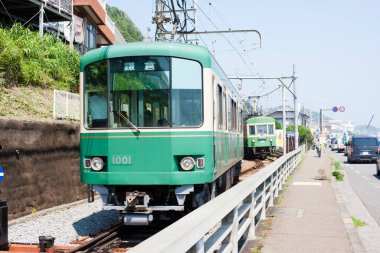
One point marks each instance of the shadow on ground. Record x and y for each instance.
(96, 221)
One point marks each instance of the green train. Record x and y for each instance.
(161, 129)
(259, 137)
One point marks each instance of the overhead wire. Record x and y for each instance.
(228, 41)
(6, 10)
(244, 50)
(31, 17)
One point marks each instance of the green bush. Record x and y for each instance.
(338, 175)
(28, 59)
(305, 134)
(338, 165)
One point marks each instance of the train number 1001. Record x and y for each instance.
(118, 159)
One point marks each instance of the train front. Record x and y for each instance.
(145, 145)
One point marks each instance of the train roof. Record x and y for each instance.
(182, 50)
(260, 120)
(175, 49)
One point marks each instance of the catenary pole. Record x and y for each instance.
(296, 112)
(41, 21)
(283, 120)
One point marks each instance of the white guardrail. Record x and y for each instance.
(230, 218)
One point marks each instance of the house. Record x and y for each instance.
(87, 20)
(303, 118)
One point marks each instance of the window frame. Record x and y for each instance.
(108, 62)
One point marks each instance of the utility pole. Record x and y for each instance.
(283, 87)
(321, 120)
(177, 23)
(283, 120)
(72, 34)
(296, 112)
(41, 21)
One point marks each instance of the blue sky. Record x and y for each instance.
(335, 46)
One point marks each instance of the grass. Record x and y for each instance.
(34, 102)
(338, 165)
(257, 248)
(357, 222)
(26, 59)
(337, 172)
(338, 175)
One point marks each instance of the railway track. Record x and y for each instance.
(119, 238)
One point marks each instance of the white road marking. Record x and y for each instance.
(366, 178)
(348, 220)
(299, 213)
(308, 183)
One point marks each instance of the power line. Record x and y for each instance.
(239, 42)
(9, 15)
(228, 41)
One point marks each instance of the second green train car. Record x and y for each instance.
(259, 137)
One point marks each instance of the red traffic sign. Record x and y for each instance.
(342, 109)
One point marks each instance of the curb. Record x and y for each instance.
(352, 233)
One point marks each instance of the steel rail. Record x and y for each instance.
(232, 216)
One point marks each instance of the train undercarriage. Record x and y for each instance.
(259, 152)
(140, 205)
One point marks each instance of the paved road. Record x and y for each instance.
(365, 183)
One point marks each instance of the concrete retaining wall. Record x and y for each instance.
(40, 159)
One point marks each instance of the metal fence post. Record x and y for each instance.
(199, 247)
(233, 219)
(250, 234)
(271, 191)
(277, 184)
(262, 201)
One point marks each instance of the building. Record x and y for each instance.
(93, 27)
(27, 11)
(303, 118)
(82, 23)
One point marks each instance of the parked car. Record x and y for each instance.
(378, 166)
(363, 148)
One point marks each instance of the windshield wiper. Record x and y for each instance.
(128, 121)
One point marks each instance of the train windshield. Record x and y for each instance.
(147, 91)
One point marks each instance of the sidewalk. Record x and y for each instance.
(309, 218)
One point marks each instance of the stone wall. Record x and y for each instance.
(40, 159)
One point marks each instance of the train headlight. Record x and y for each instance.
(187, 163)
(253, 142)
(97, 163)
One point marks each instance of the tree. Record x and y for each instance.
(304, 133)
(124, 24)
(278, 124)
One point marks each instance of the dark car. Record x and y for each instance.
(363, 148)
(378, 167)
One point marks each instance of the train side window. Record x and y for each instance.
(186, 96)
(270, 129)
(252, 130)
(234, 115)
(219, 101)
(241, 119)
(225, 111)
(95, 98)
(229, 114)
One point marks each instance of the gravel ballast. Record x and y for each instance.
(65, 224)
